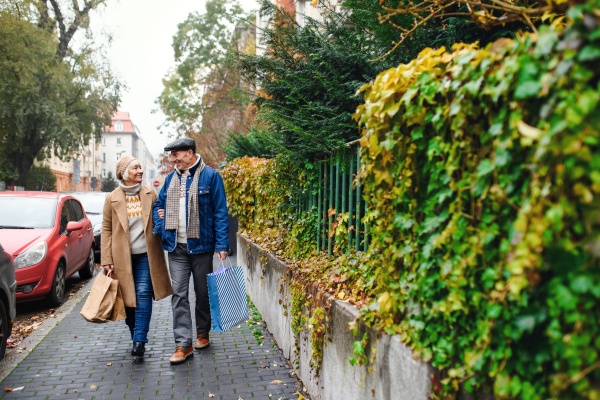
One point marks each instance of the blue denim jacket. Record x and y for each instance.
(214, 219)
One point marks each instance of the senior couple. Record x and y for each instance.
(189, 220)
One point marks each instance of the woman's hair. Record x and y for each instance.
(133, 164)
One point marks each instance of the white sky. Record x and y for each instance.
(141, 54)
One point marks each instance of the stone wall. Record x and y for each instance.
(396, 375)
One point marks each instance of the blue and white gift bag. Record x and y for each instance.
(227, 294)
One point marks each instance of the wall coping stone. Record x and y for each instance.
(396, 375)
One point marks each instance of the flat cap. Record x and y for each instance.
(182, 144)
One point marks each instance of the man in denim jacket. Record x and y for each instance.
(191, 216)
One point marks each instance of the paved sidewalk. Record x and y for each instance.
(83, 360)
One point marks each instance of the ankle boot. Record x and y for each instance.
(138, 349)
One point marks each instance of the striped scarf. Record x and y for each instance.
(172, 209)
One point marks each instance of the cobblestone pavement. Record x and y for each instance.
(78, 359)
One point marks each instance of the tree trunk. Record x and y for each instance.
(23, 158)
(23, 166)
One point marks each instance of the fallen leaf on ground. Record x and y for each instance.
(8, 389)
(93, 387)
(300, 397)
(109, 364)
(277, 381)
(210, 394)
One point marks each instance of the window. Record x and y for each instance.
(103, 157)
(30, 212)
(66, 216)
(151, 174)
(103, 141)
(78, 211)
(118, 141)
(118, 126)
(118, 156)
(104, 172)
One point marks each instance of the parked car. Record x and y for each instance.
(8, 287)
(50, 238)
(93, 204)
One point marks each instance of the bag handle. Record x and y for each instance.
(107, 273)
(222, 267)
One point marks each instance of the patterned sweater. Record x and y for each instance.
(137, 239)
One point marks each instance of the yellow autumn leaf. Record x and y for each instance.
(276, 381)
(93, 387)
(300, 397)
(341, 295)
(385, 302)
(210, 394)
(314, 3)
(528, 130)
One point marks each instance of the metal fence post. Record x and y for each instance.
(331, 205)
(357, 241)
(350, 203)
(319, 206)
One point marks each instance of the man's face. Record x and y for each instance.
(183, 159)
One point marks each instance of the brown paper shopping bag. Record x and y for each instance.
(101, 301)
(118, 312)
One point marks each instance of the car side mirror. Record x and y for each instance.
(73, 226)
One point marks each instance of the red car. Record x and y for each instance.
(50, 238)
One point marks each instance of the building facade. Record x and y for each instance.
(89, 160)
(124, 138)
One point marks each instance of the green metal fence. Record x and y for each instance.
(335, 190)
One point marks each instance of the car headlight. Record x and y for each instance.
(32, 256)
(97, 229)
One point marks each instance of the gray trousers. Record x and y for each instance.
(181, 266)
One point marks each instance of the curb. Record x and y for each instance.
(12, 359)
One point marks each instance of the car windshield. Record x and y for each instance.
(27, 212)
(92, 204)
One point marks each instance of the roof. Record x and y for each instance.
(124, 117)
(90, 192)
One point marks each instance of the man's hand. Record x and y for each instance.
(161, 213)
(222, 254)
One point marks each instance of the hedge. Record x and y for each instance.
(482, 171)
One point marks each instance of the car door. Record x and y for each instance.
(69, 241)
(83, 235)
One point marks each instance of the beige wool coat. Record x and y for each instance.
(116, 248)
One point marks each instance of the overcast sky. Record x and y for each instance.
(141, 54)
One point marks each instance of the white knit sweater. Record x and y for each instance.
(137, 239)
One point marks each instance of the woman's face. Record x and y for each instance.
(135, 174)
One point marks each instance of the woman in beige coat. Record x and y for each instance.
(131, 252)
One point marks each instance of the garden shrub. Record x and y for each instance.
(482, 169)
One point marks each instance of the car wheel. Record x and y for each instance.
(4, 332)
(87, 271)
(57, 292)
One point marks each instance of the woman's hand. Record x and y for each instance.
(161, 213)
(222, 254)
(110, 268)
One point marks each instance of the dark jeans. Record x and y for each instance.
(181, 266)
(138, 318)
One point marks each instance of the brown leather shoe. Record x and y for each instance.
(181, 354)
(202, 341)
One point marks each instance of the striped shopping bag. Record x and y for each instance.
(227, 295)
